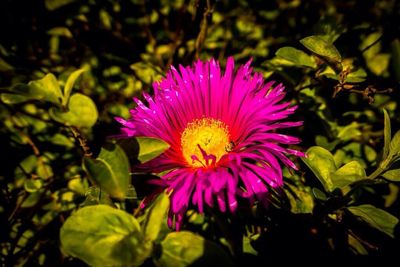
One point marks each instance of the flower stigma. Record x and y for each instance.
(204, 140)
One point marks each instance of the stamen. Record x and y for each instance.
(204, 142)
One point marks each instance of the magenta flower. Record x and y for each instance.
(222, 134)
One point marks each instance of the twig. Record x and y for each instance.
(203, 28)
(82, 141)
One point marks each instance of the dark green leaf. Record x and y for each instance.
(156, 216)
(104, 236)
(392, 175)
(296, 56)
(357, 246)
(82, 112)
(150, 148)
(387, 134)
(55, 4)
(377, 218)
(60, 31)
(321, 162)
(318, 194)
(395, 48)
(33, 185)
(110, 170)
(181, 249)
(4, 66)
(321, 47)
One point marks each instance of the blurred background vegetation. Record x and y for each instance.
(340, 63)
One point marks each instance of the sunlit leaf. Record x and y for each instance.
(70, 84)
(247, 247)
(150, 148)
(392, 175)
(181, 249)
(296, 56)
(156, 216)
(82, 112)
(322, 164)
(377, 218)
(394, 147)
(104, 236)
(45, 89)
(347, 174)
(321, 47)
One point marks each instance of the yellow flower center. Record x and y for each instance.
(204, 141)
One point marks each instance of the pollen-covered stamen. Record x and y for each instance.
(204, 142)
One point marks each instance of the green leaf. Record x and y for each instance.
(104, 236)
(387, 134)
(348, 174)
(110, 170)
(318, 194)
(349, 132)
(55, 4)
(357, 76)
(377, 218)
(296, 56)
(45, 89)
(321, 47)
(70, 84)
(322, 164)
(356, 246)
(395, 49)
(379, 63)
(247, 247)
(82, 112)
(394, 147)
(150, 148)
(300, 200)
(392, 175)
(4, 66)
(33, 185)
(181, 249)
(60, 31)
(156, 216)
(94, 196)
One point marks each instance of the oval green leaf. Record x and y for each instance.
(348, 174)
(319, 46)
(392, 175)
(296, 56)
(45, 89)
(150, 148)
(377, 218)
(82, 112)
(110, 170)
(181, 249)
(156, 217)
(103, 236)
(70, 84)
(322, 164)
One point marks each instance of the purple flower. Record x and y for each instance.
(221, 128)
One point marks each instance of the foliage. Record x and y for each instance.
(71, 195)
